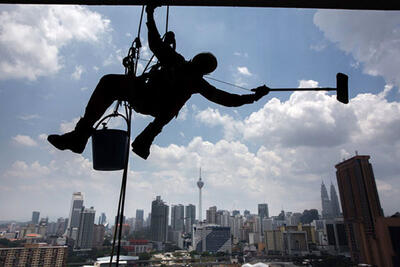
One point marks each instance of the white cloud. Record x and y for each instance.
(212, 117)
(66, 127)
(24, 140)
(76, 75)
(244, 71)
(31, 37)
(23, 170)
(42, 137)
(239, 54)
(183, 113)
(371, 37)
(308, 84)
(29, 117)
(114, 58)
(318, 47)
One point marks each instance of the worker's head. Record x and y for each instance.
(205, 62)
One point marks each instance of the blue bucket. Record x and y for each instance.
(109, 148)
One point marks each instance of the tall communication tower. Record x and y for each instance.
(200, 185)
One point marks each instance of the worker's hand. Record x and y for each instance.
(260, 91)
(151, 6)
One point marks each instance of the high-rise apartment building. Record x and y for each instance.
(190, 217)
(159, 220)
(34, 255)
(85, 232)
(35, 217)
(211, 215)
(370, 235)
(178, 217)
(139, 220)
(74, 214)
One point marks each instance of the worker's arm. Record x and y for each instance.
(164, 53)
(230, 100)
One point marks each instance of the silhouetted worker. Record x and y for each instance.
(161, 94)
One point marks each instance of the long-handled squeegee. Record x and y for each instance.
(342, 88)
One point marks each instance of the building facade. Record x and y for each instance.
(212, 238)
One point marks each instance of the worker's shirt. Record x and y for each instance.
(168, 89)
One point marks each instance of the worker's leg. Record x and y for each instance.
(110, 88)
(141, 144)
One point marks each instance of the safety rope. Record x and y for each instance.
(130, 63)
(231, 84)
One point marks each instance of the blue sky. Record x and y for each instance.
(277, 150)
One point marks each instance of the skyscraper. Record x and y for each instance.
(139, 220)
(326, 203)
(263, 211)
(35, 217)
(86, 226)
(200, 185)
(334, 203)
(190, 217)
(102, 218)
(159, 220)
(178, 217)
(74, 214)
(361, 208)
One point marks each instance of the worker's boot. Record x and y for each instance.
(76, 140)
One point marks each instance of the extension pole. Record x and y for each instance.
(303, 89)
(316, 4)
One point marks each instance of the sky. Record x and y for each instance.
(276, 151)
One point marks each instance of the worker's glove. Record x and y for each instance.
(260, 92)
(151, 6)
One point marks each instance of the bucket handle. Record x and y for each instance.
(114, 114)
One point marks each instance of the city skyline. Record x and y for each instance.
(77, 204)
(273, 151)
